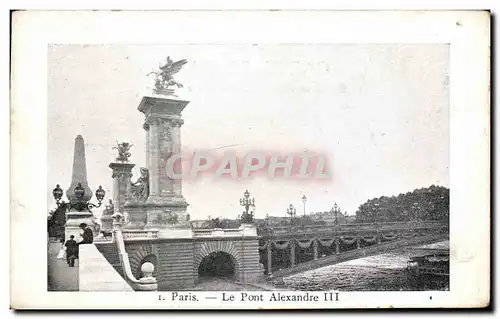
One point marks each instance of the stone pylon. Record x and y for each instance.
(122, 172)
(165, 206)
(79, 175)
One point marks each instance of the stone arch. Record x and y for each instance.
(141, 254)
(211, 247)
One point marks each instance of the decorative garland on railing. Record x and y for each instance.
(281, 246)
(305, 244)
(326, 242)
(348, 241)
(389, 237)
(369, 239)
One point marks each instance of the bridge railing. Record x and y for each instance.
(382, 226)
(217, 232)
(131, 234)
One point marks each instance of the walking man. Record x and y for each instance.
(71, 251)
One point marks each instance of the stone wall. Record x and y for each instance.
(176, 261)
(174, 258)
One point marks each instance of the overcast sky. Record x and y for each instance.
(380, 112)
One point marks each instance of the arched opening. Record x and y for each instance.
(148, 259)
(219, 265)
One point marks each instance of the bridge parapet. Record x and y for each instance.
(218, 232)
(131, 235)
(351, 228)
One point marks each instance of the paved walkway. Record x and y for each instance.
(60, 276)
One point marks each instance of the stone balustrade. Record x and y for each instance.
(131, 234)
(217, 232)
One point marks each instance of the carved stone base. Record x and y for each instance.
(135, 215)
(157, 214)
(106, 223)
(73, 221)
(177, 201)
(167, 215)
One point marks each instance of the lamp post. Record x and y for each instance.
(292, 212)
(335, 210)
(247, 202)
(304, 200)
(79, 205)
(377, 211)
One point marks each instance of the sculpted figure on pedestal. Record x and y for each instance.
(140, 189)
(123, 151)
(110, 209)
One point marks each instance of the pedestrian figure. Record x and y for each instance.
(88, 234)
(71, 251)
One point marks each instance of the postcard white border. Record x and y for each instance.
(467, 32)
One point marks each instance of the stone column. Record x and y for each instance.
(153, 157)
(315, 249)
(337, 246)
(269, 257)
(177, 148)
(292, 252)
(122, 173)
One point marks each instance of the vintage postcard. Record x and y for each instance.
(250, 160)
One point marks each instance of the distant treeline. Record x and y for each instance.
(431, 203)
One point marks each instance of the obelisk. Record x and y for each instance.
(79, 175)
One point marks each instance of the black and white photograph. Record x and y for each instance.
(374, 217)
(249, 172)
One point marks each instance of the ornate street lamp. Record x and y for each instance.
(335, 209)
(80, 205)
(246, 202)
(304, 200)
(292, 212)
(57, 193)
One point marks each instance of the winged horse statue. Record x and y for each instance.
(164, 77)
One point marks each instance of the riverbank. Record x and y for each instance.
(385, 272)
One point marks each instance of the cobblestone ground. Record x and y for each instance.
(60, 276)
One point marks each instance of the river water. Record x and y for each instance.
(377, 273)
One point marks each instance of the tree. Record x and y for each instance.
(430, 203)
